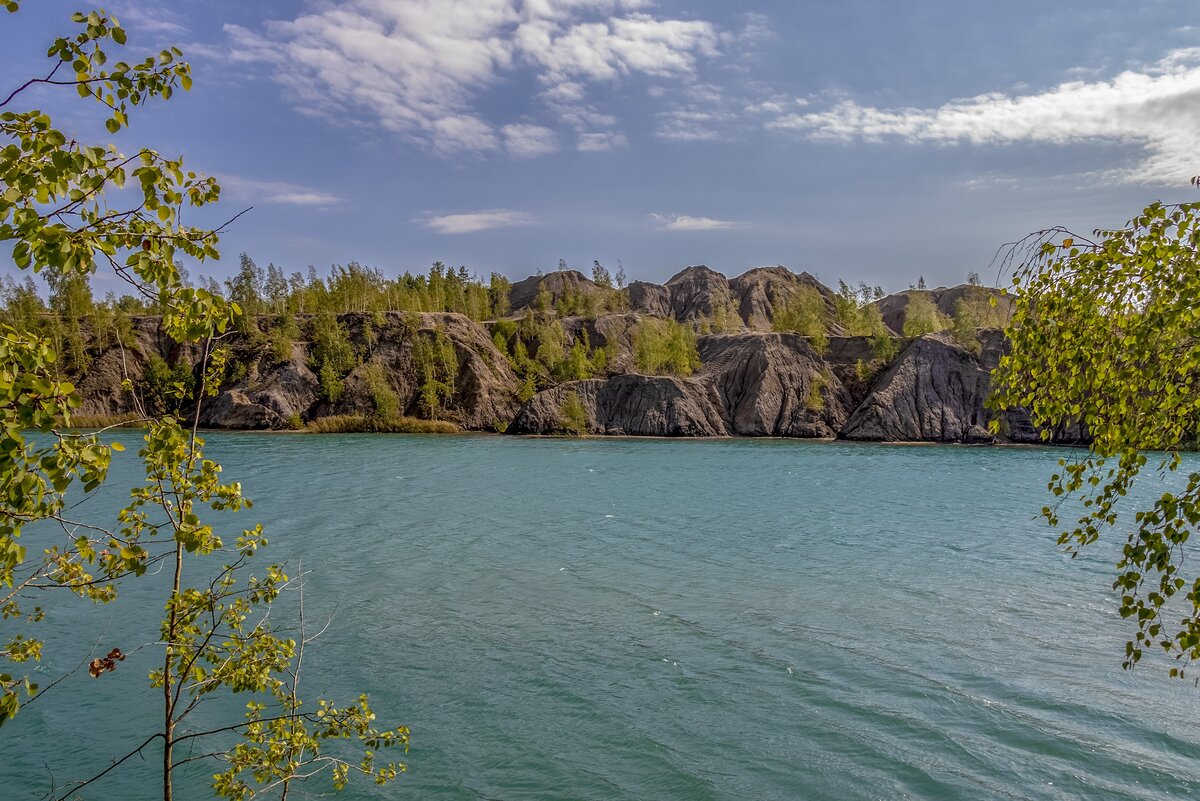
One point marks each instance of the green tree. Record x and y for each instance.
(61, 210)
(332, 354)
(572, 416)
(436, 365)
(664, 347)
(245, 289)
(600, 275)
(387, 403)
(1105, 335)
(921, 315)
(498, 291)
(804, 313)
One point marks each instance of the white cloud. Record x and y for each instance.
(683, 222)
(596, 142)
(256, 191)
(417, 67)
(149, 18)
(1157, 107)
(693, 124)
(526, 141)
(470, 222)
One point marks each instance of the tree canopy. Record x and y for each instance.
(66, 206)
(1105, 335)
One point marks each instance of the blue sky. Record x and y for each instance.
(865, 140)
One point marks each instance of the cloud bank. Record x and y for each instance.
(1157, 107)
(416, 67)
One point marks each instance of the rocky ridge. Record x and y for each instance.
(750, 383)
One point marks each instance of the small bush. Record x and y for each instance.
(572, 416)
(815, 400)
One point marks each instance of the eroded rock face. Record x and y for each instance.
(697, 292)
(774, 385)
(100, 386)
(933, 392)
(276, 395)
(652, 299)
(484, 389)
(633, 405)
(558, 284)
(613, 332)
(758, 290)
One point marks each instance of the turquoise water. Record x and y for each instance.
(656, 619)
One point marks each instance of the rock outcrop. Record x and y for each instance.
(278, 396)
(933, 392)
(557, 284)
(894, 307)
(751, 383)
(698, 293)
(651, 299)
(631, 405)
(757, 291)
(774, 385)
(484, 390)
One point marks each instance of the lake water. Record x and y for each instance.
(657, 619)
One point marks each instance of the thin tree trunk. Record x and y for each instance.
(168, 705)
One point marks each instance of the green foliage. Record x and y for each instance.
(1106, 335)
(332, 354)
(974, 310)
(245, 289)
(387, 403)
(664, 347)
(373, 424)
(921, 316)
(543, 300)
(814, 400)
(23, 306)
(165, 388)
(577, 302)
(855, 310)
(577, 364)
(725, 318)
(65, 206)
(804, 313)
(883, 346)
(436, 365)
(281, 338)
(572, 416)
(498, 291)
(600, 275)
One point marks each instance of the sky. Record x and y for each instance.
(865, 140)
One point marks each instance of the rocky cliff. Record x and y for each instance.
(753, 382)
(777, 385)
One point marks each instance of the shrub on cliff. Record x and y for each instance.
(664, 347)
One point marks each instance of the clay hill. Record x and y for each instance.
(522, 373)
